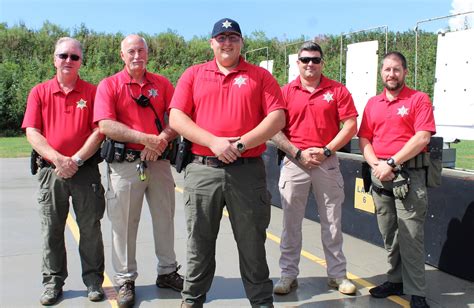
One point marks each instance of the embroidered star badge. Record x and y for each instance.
(403, 111)
(226, 24)
(153, 92)
(328, 97)
(240, 81)
(81, 104)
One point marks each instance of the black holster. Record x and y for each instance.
(183, 156)
(112, 150)
(171, 151)
(280, 155)
(366, 176)
(34, 162)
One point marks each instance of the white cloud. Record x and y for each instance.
(460, 22)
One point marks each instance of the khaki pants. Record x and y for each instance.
(328, 189)
(401, 223)
(87, 195)
(124, 206)
(242, 190)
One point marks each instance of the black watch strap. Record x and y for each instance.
(298, 154)
(327, 152)
(391, 162)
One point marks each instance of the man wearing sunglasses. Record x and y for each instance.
(128, 107)
(58, 122)
(227, 108)
(317, 106)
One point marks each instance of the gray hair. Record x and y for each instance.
(66, 39)
(133, 35)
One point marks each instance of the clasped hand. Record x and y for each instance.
(225, 149)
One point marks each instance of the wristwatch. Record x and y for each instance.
(298, 154)
(391, 162)
(240, 147)
(327, 152)
(79, 162)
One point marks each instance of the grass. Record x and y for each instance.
(464, 154)
(14, 147)
(19, 147)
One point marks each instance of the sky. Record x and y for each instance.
(283, 19)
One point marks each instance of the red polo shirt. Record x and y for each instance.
(314, 118)
(227, 106)
(389, 125)
(65, 120)
(114, 102)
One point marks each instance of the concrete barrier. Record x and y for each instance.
(449, 227)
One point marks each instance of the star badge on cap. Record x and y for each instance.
(81, 104)
(328, 97)
(240, 81)
(226, 24)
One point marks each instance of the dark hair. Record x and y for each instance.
(310, 46)
(395, 54)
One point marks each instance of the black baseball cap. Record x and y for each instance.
(226, 25)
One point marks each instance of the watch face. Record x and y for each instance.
(78, 161)
(240, 147)
(391, 162)
(327, 152)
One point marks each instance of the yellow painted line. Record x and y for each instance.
(108, 286)
(360, 281)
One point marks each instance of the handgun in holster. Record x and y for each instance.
(366, 176)
(34, 162)
(183, 156)
(171, 151)
(107, 151)
(280, 155)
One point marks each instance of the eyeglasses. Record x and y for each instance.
(315, 60)
(64, 56)
(232, 38)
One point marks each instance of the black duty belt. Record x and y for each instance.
(382, 191)
(131, 155)
(45, 164)
(216, 163)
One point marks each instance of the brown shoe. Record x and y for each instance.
(50, 296)
(126, 295)
(172, 280)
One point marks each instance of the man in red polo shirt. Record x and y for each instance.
(130, 108)
(396, 127)
(316, 108)
(58, 123)
(227, 108)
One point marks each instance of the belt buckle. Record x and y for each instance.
(130, 157)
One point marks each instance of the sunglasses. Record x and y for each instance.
(232, 38)
(64, 56)
(315, 60)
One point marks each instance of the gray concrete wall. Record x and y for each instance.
(449, 227)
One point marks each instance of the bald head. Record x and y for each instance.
(132, 39)
(134, 53)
